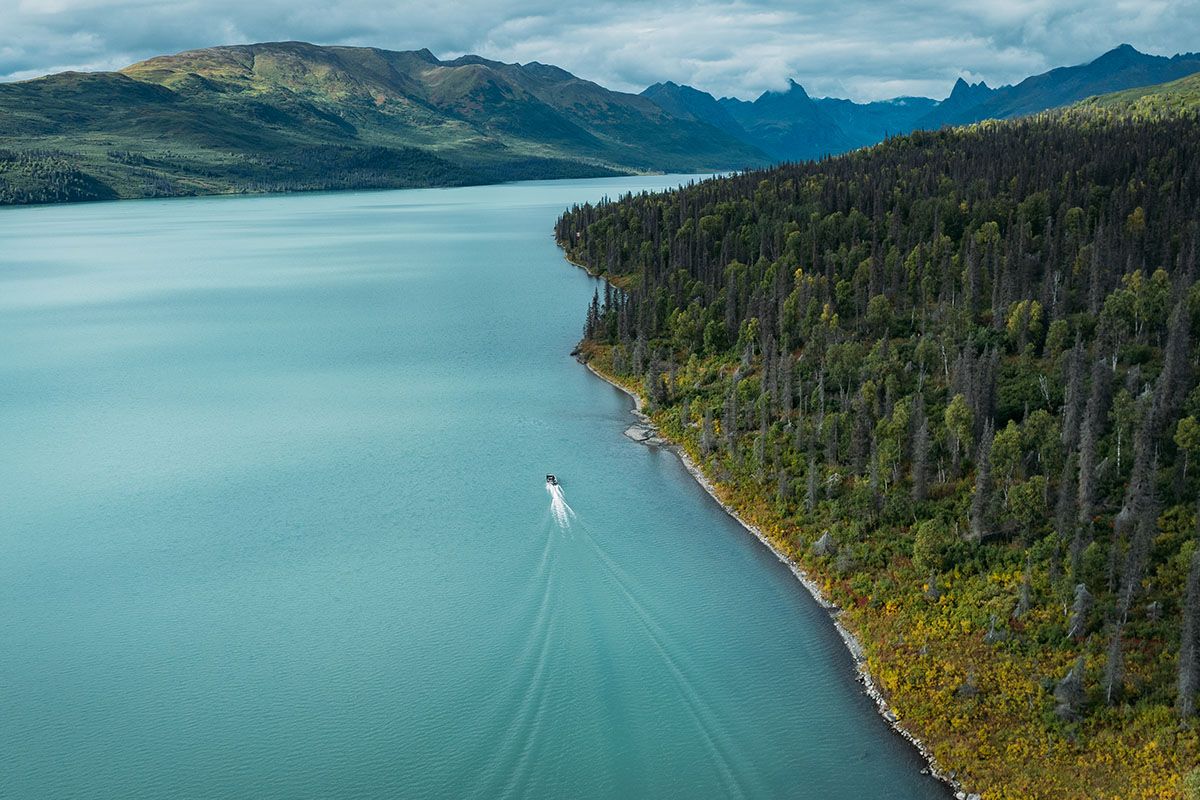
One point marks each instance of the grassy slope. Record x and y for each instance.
(1168, 98)
(298, 116)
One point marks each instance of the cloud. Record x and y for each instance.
(861, 49)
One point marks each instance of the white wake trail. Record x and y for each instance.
(563, 513)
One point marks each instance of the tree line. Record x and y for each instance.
(956, 355)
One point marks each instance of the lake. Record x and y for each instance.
(274, 524)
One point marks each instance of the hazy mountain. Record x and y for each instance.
(291, 115)
(1120, 68)
(867, 123)
(791, 126)
(963, 97)
(686, 102)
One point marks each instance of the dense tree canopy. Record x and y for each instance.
(965, 361)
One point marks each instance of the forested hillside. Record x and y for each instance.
(955, 376)
(1165, 99)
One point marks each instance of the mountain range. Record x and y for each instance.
(790, 125)
(297, 116)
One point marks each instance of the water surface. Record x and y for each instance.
(273, 524)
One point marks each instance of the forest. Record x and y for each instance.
(954, 376)
(56, 176)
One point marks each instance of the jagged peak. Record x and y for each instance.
(795, 87)
(963, 83)
(794, 92)
(964, 91)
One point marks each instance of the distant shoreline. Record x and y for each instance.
(367, 187)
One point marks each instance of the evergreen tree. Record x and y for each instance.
(1064, 510)
(1078, 623)
(920, 451)
(981, 500)
(959, 423)
(707, 436)
(1091, 431)
(1073, 405)
(1068, 693)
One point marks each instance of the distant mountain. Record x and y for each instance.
(963, 97)
(1120, 68)
(295, 116)
(791, 126)
(292, 115)
(867, 123)
(688, 103)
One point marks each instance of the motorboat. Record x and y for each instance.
(550, 479)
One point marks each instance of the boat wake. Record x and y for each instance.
(574, 576)
(563, 513)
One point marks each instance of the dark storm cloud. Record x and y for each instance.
(860, 49)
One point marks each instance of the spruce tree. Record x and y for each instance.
(1068, 693)
(982, 498)
(1073, 404)
(707, 436)
(1077, 624)
(1065, 523)
(1091, 430)
(920, 451)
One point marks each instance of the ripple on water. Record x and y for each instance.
(274, 524)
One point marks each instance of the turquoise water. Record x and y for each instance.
(273, 524)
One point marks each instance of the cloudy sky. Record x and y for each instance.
(863, 49)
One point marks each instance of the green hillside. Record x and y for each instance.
(1178, 96)
(296, 116)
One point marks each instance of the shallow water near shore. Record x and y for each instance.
(274, 523)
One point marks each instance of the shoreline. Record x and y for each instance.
(851, 642)
(235, 192)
